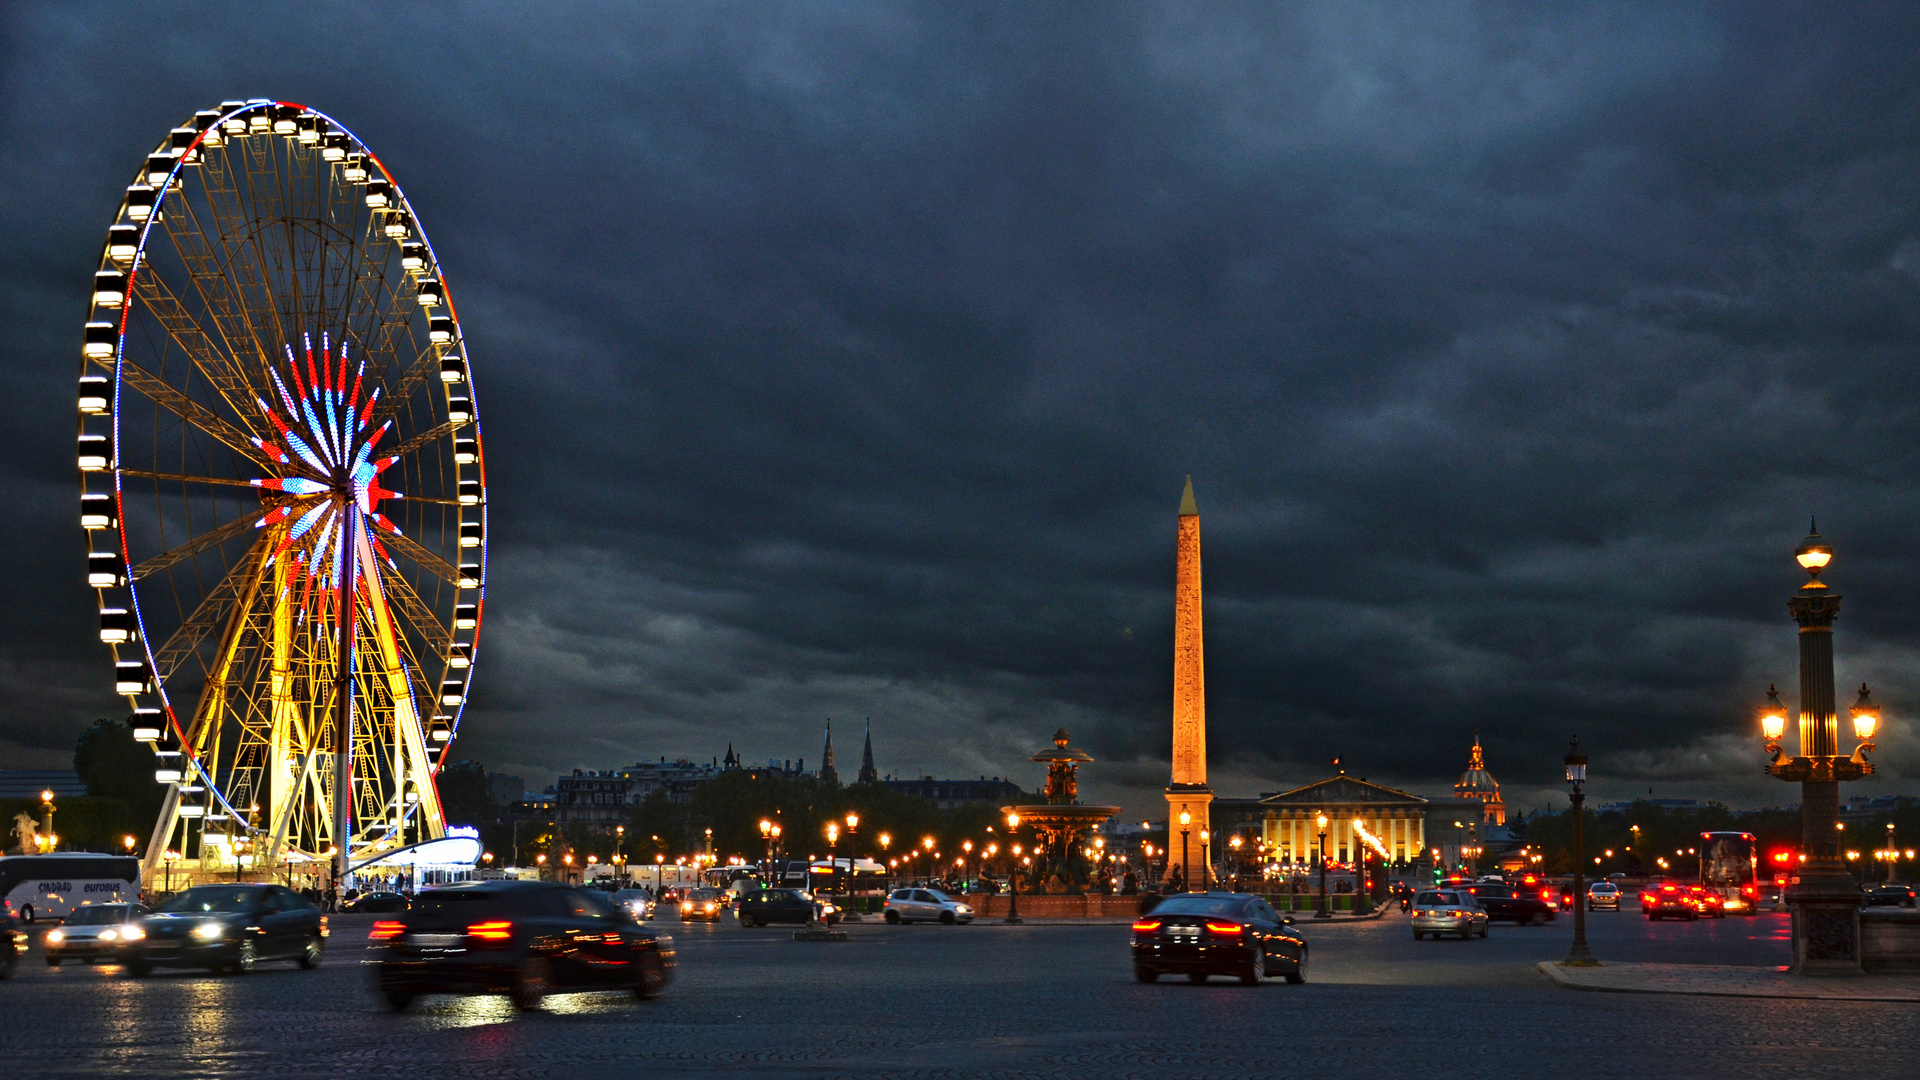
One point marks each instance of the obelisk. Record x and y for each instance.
(1187, 790)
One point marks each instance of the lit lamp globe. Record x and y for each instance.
(1773, 717)
(1813, 555)
(1866, 716)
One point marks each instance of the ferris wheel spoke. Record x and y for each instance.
(401, 596)
(185, 479)
(426, 560)
(196, 545)
(163, 394)
(214, 607)
(227, 378)
(425, 438)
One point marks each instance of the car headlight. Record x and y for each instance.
(55, 937)
(109, 935)
(962, 909)
(209, 931)
(132, 933)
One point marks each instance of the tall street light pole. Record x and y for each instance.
(1013, 873)
(1324, 912)
(1824, 898)
(1185, 820)
(1206, 881)
(1579, 955)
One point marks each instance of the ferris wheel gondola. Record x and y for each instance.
(283, 489)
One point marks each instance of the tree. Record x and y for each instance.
(466, 797)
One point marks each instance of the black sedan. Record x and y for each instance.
(1508, 904)
(524, 939)
(1889, 896)
(376, 903)
(1202, 934)
(763, 906)
(229, 928)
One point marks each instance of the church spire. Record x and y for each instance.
(827, 773)
(868, 774)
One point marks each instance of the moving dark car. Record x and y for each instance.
(785, 906)
(702, 904)
(377, 903)
(96, 932)
(1889, 896)
(525, 939)
(230, 928)
(1505, 902)
(1666, 900)
(13, 942)
(1204, 934)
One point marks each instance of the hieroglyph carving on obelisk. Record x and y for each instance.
(1189, 847)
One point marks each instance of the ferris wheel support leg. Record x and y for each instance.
(283, 816)
(162, 835)
(348, 629)
(417, 764)
(285, 740)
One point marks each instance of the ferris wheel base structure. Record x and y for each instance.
(283, 489)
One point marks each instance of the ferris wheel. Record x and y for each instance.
(283, 491)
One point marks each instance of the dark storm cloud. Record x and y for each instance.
(845, 361)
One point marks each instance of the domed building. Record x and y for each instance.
(1477, 783)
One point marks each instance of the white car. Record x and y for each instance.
(635, 902)
(925, 905)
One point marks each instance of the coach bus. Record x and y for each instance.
(34, 887)
(1729, 866)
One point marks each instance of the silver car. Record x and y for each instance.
(95, 932)
(635, 902)
(1448, 911)
(926, 905)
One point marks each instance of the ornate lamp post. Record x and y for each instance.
(853, 852)
(1579, 955)
(886, 841)
(1206, 884)
(1824, 898)
(50, 841)
(1234, 843)
(1186, 819)
(1013, 871)
(833, 837)
(1324, 912)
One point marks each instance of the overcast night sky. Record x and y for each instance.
(846, 360)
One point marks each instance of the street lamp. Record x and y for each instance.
(1185, 820)
(1234, 843)
(1325, 912)
(1579, 955)
(886, 841)
(1013, 872)
(1824, 898)
(833, 837)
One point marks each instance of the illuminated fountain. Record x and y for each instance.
(1061, 821)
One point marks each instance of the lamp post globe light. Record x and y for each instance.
(1579, 955)
(1823, 897)
(1324, 912)
(1205, 862)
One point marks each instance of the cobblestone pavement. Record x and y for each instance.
(979, 1001)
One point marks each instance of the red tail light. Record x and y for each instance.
(385, 929)
(1228, 929)
(1146, 926)
(499, 930)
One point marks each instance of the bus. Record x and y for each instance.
(34, 887)
(1729, 866)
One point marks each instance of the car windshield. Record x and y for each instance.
(462, 903)
(97, 914)
(704, 894)
(213, 898)
(1496, 891)
(1438, 898)
(1200, 905)
(939, 897)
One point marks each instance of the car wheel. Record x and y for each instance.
(244, 957)
(6, 962)
(652, 978)
(139, 969)
(1540, 918)
(1145, 974)
(946, 918)
(1256, 969)
(1299, 973)
(310, 954)
(1196, 977)
(398, 1000)
(893, 918)
(53, 961)
(1417, 935)
(530, 983)
(1483, 932)
(26, 914)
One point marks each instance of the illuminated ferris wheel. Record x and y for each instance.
(283, 491)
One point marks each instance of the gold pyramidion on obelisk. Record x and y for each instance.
(1189, 848)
